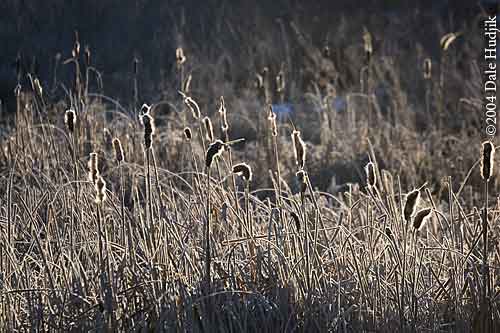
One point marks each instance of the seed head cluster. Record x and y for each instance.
(243, 170)
(487, 160)
(70, 120)
(299, 149)
(214, 150)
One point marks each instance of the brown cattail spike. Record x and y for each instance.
(223, 114)
(421, 217)
(272, 121)
(487, 160)
(93, 168)
(87, 56)
(280, 82)
(180, 57)
(117, 147)
(412, 200)
(187, 83)
(243, 170)
(192, 106)
(136, 66)
(427, 69)
(149, 129)
(187, 134)
(100, 188)
(70, 120)
(368, 46)
(209, 129)
(299, 149)
(371, 178)
(302, 179)
(214, 150)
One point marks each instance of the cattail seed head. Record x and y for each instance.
(487, 160)
(412, 200)
(280, 82)
(214, 150)
(209, 129)
(38, 87)
(193, 106)
(100, 188)
(117, 147)
(272, 121)
(187, 83)
(427, 68)
(299, 149)
(18, 66)
(371, 178)
(447, 40)
(367, 43)
(70, 120)
(259, 81)
(187, 134)
(136, 66)
(180, 57)
(93, 168)
(243, 170)
(302, 180)
(87, 56)
(149, 129)
(223, 114)
(421, 217)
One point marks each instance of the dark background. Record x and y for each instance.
(115, 31)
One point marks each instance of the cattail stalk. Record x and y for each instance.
(119, 157)
(487, 162)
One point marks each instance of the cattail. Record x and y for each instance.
(100, 188)
(280, 82)
(187, 83)
(371, 178)
(193, 106)
(302, 179)
(259, 81)
(447, 39)
(411, 204)
(180, 57)
(214, 150)
(70, 120)
(421, 217)
(299, 149)
(427, 68)
(368, 46)
(487, 160)
(187, 134)
(117, 146)
(17, 90)
(93, 168)
(18, 66)
(272, 121)
(149, 129)
(326, 51)
(76, 47)
(223, 114)
(136, 66)
(87, 56)
(144, 109)
(209, 129)
(243, 170)
(38, 87)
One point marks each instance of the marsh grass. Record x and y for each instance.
(267, 248)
